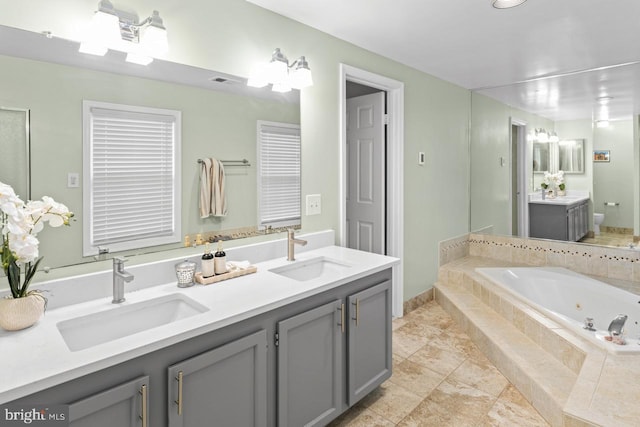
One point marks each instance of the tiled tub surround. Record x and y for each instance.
(616, 266)
(570, 381)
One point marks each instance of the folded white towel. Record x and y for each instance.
(213, 200)
(238, 265)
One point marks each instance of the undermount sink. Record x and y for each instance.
(87, 331)
(313, 268)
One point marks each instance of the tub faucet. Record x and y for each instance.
(616, 327)
(291, 242)
(119, 277)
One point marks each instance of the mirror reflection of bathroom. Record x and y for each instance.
(612, 186)
(610, 216)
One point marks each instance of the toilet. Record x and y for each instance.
(597, 220)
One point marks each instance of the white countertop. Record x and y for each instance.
(37, 358)
(569, 199)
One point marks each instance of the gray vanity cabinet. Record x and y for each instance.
(337, 348)
(226, 386)
(303, 363)
(124, 405)
(310, 349)
(369, 337)
(559, 222)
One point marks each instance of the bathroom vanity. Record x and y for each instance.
(294, 344)
(560, 218)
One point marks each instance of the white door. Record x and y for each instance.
(366, 172)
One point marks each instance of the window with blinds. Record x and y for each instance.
(278, 174)
(131, 177)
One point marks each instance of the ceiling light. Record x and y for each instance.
(505, 4)
(113, 29)
(604, 99)
(541, 135)
(282, 76)
(258, 76)
(104, 30)
(153, 36)
(301, 76)
(278, 68)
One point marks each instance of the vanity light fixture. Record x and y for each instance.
(506, 4)
(281, 75)
(553, 137)
(541, 135)
(113, 29)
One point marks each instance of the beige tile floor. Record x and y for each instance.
(610, 239)
(440, 378)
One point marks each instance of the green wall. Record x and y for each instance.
(612, 180)
(490, 188)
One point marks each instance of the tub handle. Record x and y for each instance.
(588, 324)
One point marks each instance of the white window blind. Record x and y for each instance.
(131, 177)
(278, 174)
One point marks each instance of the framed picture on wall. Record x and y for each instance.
(601, 155)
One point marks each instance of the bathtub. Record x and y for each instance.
(568, 298)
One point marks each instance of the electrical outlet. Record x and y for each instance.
(314, 204)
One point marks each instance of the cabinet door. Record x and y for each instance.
(124, 405)
(571, 224)
(369, 337)
(310, 369)
(226, 386)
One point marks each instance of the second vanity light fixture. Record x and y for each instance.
(113, 29)
(541, 135)
(282, 76)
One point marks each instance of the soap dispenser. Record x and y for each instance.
(220, 260)
(208, 267)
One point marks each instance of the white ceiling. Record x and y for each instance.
(549, 46)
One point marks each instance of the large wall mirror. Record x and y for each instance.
(50, 79)
(496, 153)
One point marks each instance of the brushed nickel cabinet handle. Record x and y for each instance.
(179, 401)
(342, 317)
(357, 304)
(143, 416)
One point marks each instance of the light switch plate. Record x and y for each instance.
(73, 180)
(314, 204)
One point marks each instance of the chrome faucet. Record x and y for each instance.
(616, 327)
(119, 277)
(291, 240)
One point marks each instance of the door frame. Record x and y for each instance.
(524, 172)
(395, 156)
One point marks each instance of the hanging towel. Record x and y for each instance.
(213, 201)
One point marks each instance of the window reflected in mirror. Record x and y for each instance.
(540, 157)
(15, 148)
(571, 155)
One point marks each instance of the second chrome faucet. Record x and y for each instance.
(120, 276)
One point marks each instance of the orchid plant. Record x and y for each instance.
(20, 223)
(554, 180)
